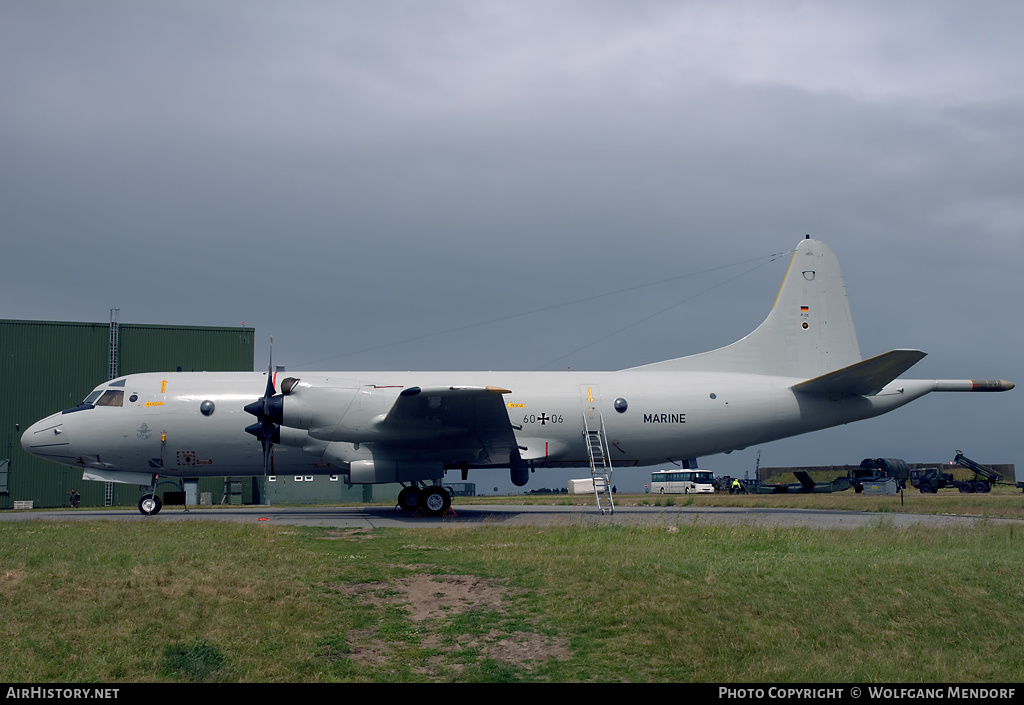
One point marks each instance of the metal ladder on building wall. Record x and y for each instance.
(600, 463)
(113, 371)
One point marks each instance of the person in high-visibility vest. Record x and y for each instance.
(736, 486)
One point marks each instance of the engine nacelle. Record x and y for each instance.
(519, 473)
(376, 472)
(318, 409)
(339, 410)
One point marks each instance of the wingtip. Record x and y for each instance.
(991, 385)
(973, 385)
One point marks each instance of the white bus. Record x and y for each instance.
(682, 481)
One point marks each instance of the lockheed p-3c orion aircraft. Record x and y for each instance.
(801, 370)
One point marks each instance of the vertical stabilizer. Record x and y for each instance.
(808, 333)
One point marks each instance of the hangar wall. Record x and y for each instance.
(48, 366)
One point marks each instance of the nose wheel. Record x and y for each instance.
(150, 504)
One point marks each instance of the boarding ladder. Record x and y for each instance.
(600, 462)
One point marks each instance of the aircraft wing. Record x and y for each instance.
(865, 377)
(464, 421)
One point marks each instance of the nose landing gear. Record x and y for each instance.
(150, 504)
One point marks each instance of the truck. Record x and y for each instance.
(984, 477)
(930, 480)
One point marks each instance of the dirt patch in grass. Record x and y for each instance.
(522, 649)
(431, 597)
(11, 577)
(432, 602)
(365, 648)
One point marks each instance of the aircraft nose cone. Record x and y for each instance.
(48, 439)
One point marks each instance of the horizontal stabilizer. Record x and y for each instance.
(863, 378)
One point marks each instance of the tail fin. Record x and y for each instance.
(808, 333)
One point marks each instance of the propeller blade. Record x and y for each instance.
(268, 411)
(265, 422)
(270, 373)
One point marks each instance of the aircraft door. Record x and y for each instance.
(590, 395)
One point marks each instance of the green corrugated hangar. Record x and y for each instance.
(48, 366)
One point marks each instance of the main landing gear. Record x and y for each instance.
(432, 500)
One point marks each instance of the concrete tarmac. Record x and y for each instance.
(478, 515)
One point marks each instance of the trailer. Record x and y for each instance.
(804, 485)
(984, 477)
(882, 475)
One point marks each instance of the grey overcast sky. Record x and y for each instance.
(430, 185)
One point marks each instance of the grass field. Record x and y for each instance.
(1004, 501)
(110, 601)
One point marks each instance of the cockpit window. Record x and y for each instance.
(93, 397)
(111, 397)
